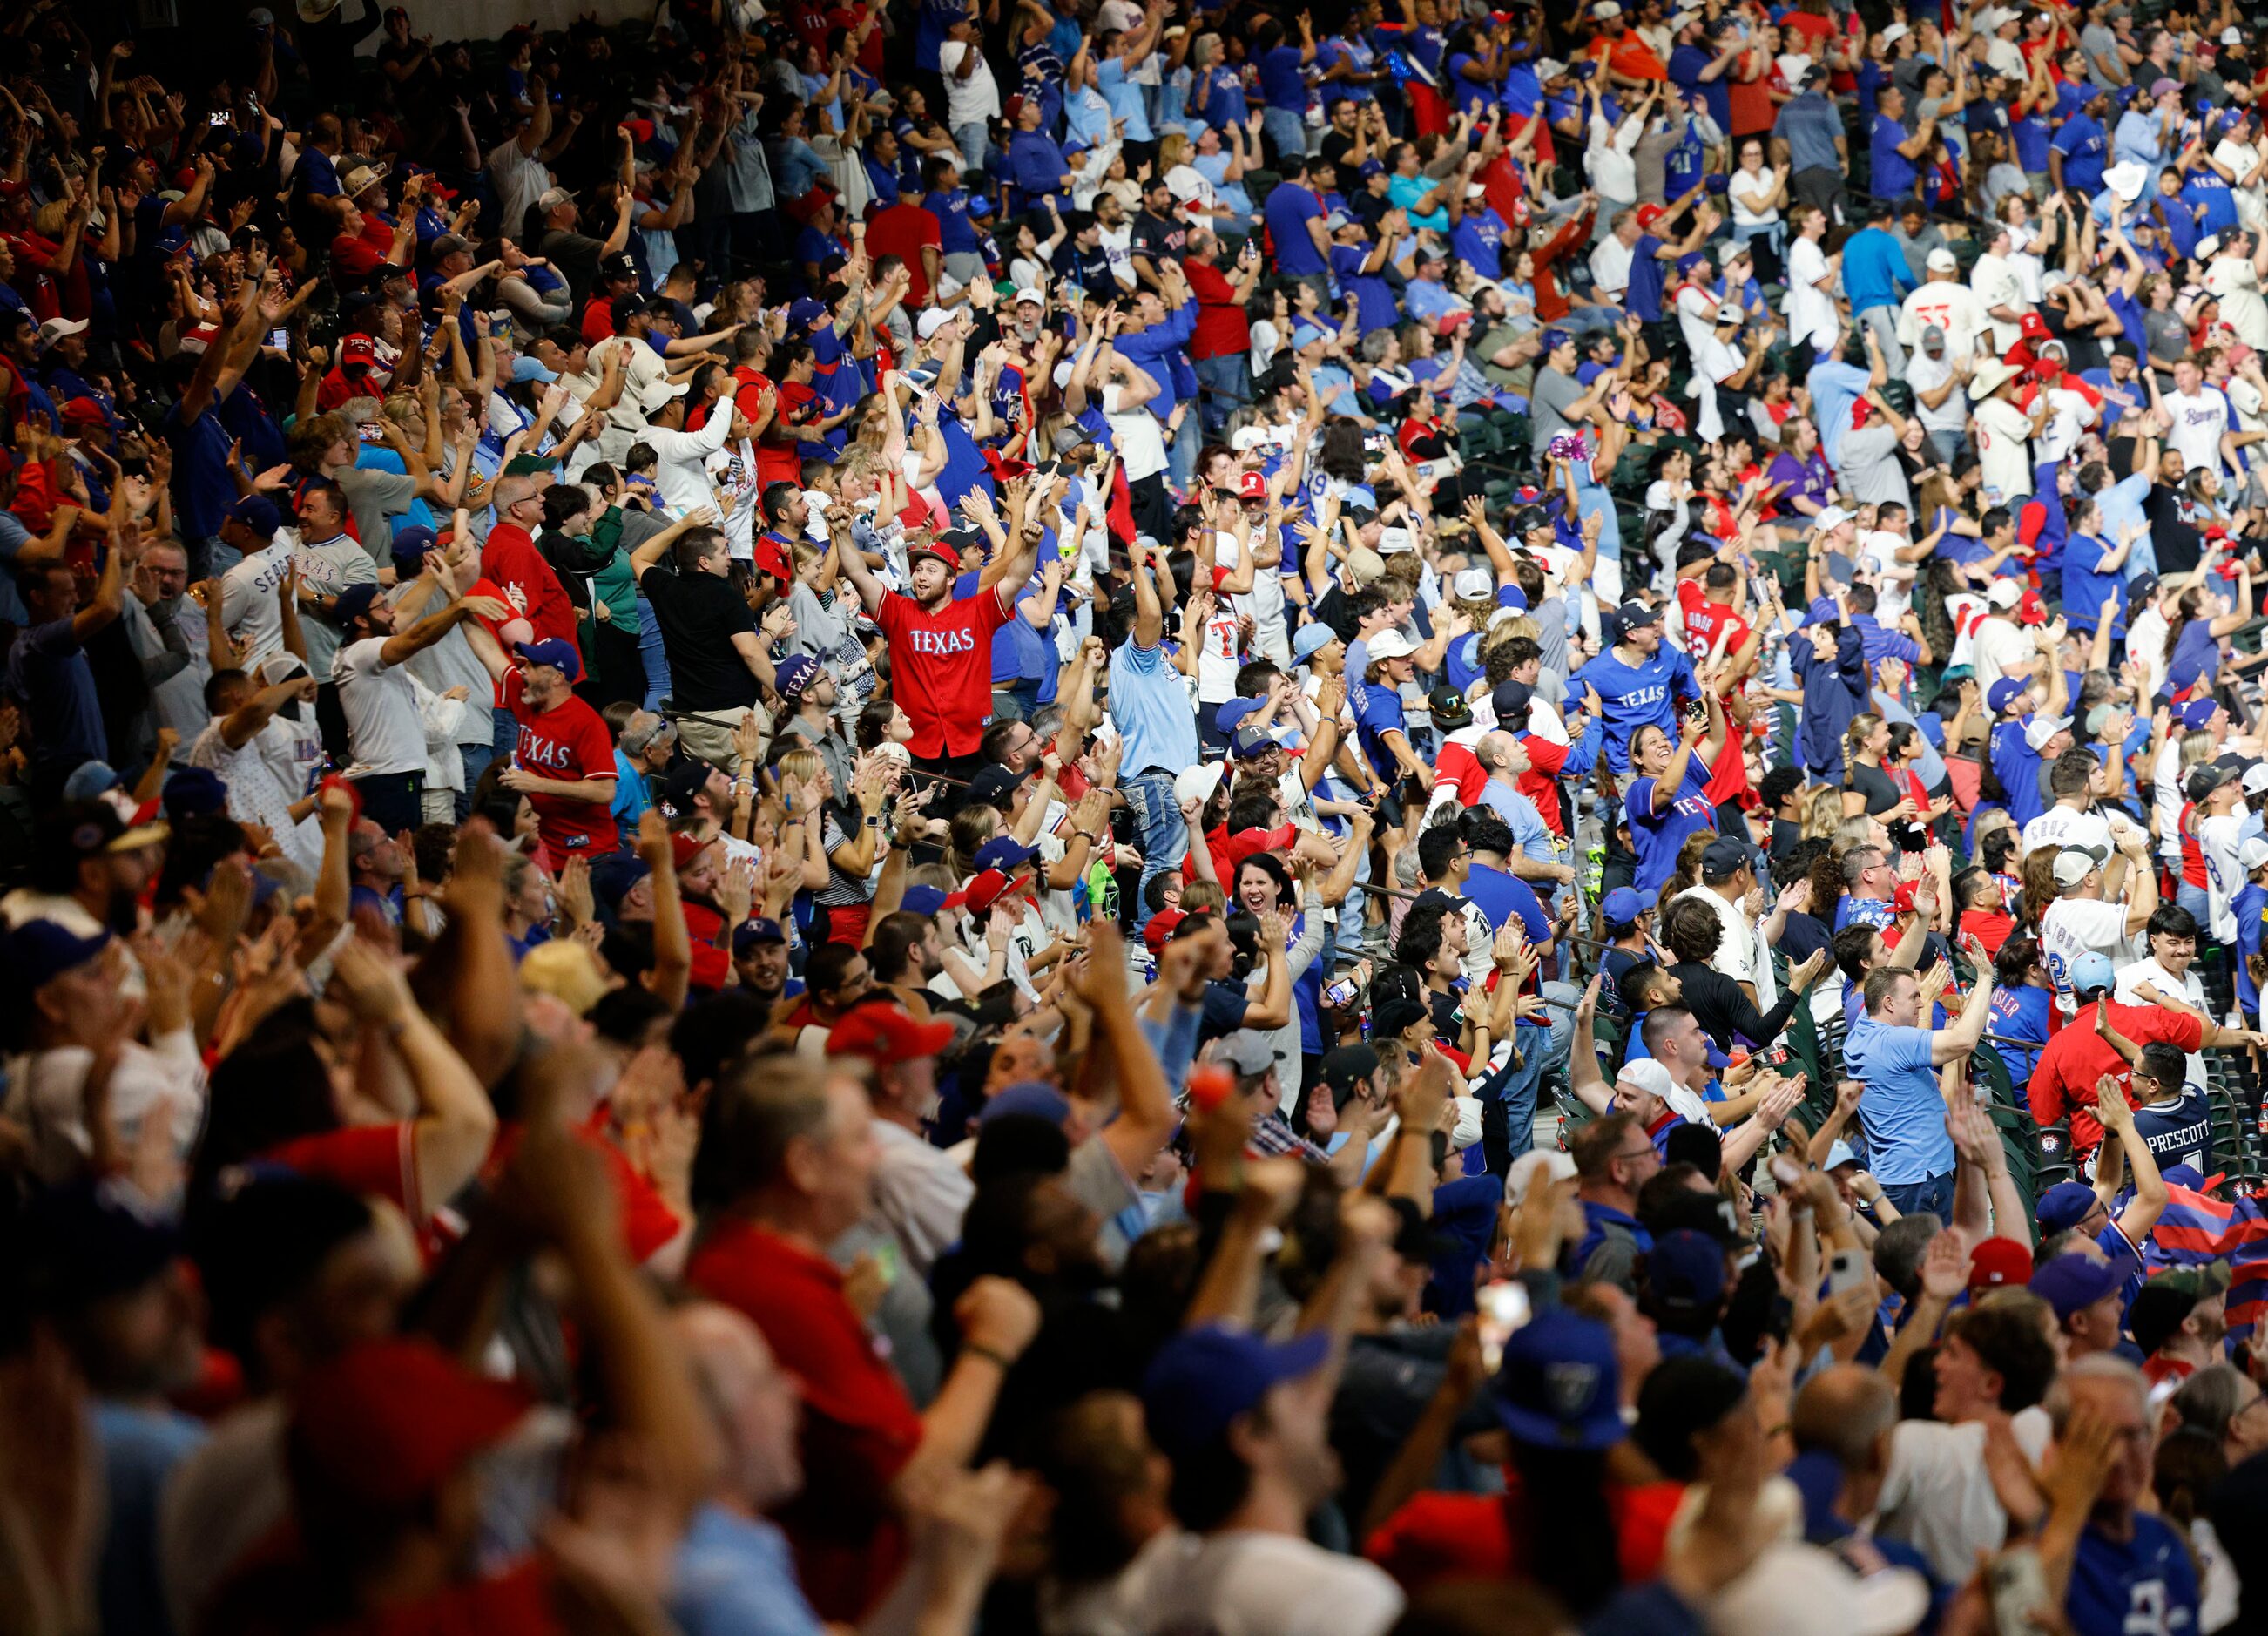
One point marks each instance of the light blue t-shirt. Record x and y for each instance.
(736, 1573)
(1901, 1110)
(1152, 709)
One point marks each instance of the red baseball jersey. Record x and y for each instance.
(569, 743)
(944, 661)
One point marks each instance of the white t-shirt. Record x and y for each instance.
(1811, 311)
(2238, 282)
(257, 795)
(1141, 442)
(1937, 1495)
(1216, 660)
(2187, 987)
(1925, 373)
(2004, 449)
(1241, 1583)
(383, 729)
(249, 611)
(732, 472)
(1610, 268)
(2199, 420)
(2217, 839)
(2003, 648)
(2073, 926)
(2060, 826)
(1736, 955)
(971, 100)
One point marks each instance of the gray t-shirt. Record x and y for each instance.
(375, 498)
(326, 570)
(1548, 401)
(1870, 466)
(2101, 46)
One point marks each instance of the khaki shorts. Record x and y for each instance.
(709, 734)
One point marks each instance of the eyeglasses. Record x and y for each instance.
(1646, 1152)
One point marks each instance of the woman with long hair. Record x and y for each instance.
(1866, 788)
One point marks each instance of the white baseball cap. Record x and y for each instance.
(1477, 582)
(2040, 729)
(2253, 853)
(1389, 645)
(1032, 296)
(1943, 261)
(933, 320)
(1649, 1076)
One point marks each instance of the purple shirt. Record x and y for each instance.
(1806, 480)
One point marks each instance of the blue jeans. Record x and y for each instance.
(1159, 830)
(1224, 387)
(1285, 130)
(505, 728)
(1181, 454)
(475, 758)
(656, 661)
(969, 139)
(1518, 1092)
(1935, 1196)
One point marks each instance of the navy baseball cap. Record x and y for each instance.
(1032, 1098)
(2004, 693)
(1553, 340)
(1248, 743)
(553, 653)
(1559, 1387)
(922, 900)
(2074, 1283)
(1630, 615)
(1203, 1378)
(39, 951)
(751, 933)
(1622, 906)
(87, 1242)
(192, 792)
(354, 602)
(2065, 1206)
(1004, 853)
(257, 513)
(1685, 1269)
(410, 544)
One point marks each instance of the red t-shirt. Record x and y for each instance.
(859, 1428)
(597, 320)
(1222, 327)
(945, 662)
(511, 559)
(568, 742)
(901, 230)
(1457, 765)
(2063, 1080)
(648, 1221)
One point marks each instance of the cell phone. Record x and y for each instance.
(1502, 1310)
(1341, 994)
(220, 118)
(280, 338)
(2018, 1591)
(369, 432)
(1846, 1269)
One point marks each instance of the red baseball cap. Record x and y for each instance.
(1903, 899)
(357, 349)
(983, 890)
(683, 849)
(1649, 214)
(1252, 486)
(385, 1422)
(2000, 1263)
(885, 1036)
(2034, 328)
(1161, 927)
(2030, 610)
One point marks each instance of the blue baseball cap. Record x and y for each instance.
(411, 541)
(1248, 743)
(553, 653)
(1203, 1378)
(2004, 693)
(91, 779)
(2197, 713)
(257, 513)
(748, 933)
(39, 951)
(2091, 971)
(526, 368)
(1559, 1387)
(1622, 906)
(795, 675)
(2074, 1283)
(613, 876)
(1685, 1270)
(1004, 853)
(1553, 340)
(192, 792)
(1311, 639)
(1512, 597)
(1688, 262)
(922, 900)
(1032, 1098)
(805, 312)
(2065, 1206)
(353, 602)
(1233, 712)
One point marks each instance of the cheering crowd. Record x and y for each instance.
(1134, 818)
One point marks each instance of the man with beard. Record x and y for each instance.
(905, 952)
(943, 648)
(760, 961)
(89, 871)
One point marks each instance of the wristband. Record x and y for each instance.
(999, 1359)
